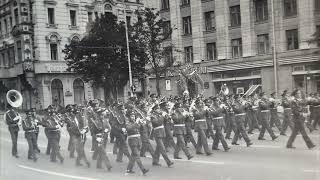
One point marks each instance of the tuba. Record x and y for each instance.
(14, 98)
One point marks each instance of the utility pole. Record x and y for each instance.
(275, 63)
(128, 49)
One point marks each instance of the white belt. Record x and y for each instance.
(31, 131)
(159, 127)
(265, 111)
(317, 106)
(240, 114)
(133, 136)
(199, 120)
(287, 108)
(218, 118)
(179, 125)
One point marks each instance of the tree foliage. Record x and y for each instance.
(101, 56)
(148, 36)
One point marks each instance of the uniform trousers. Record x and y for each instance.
(160, 149)
(299, 127)
(32, 143)
(202, 142)
(274, 120)
(135, 146)
(265, 119)
(287, 121)
(79, 143)
(218, 137)
(181, 146)
(14, 131)
(54, 138)
(240, 130)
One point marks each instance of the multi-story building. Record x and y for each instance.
(33, 34)
(231, 41)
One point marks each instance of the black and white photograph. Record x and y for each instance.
(160, 89)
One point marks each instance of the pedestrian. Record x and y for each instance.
(12, 118)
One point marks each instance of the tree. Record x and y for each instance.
(101, 56)
(148, 36)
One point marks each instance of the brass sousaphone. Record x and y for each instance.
(14, 98)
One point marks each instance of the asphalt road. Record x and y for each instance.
(265, 160)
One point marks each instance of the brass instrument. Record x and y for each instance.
(14, 98)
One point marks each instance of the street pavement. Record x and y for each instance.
(265, 160)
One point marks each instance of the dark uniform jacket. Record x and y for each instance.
(28, 125)
(179, 120)
(157, 120)
(200, 115)
(9, 117)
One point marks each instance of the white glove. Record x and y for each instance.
(17, 118)
(57, 126)
(124, 130)
(106, 130)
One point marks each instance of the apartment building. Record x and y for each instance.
(231, 42)
(33, 34)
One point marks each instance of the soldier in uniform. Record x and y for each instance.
(274, 119)
(264, 106)
(200, 113)
(230, 118)
(37, 119)
(208, 104)
(91, 114)
(29, 127)
(298, 120)
(218, 123)
(286, 104)
(252, 114)
(100, 131)
(78, 129)
(157, 120)
(179, 116)
(316, 111)
(118, 122)
(53, 133)
(12, 119)
(189, 125)
(168, 140)
(134, 141)
(239, 113)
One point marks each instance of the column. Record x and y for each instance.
(197, 31)
(306, 23)
(176, 25)
(247, 29)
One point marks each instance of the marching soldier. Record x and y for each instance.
(239, 113)
(274, 119)
(168, 141)
(298, 120)
(78, 129)
(208, 104)
(53, 133)
(286, 104)
(12, 119)
(37, 120)
(230, 118)
(134, 141)
(200, 113)
(117, 122)
(218, 123)
(189, 125)
(29, 127)
(316, 111)
(264, 106)
(179, 116)
(91, 114)
(101, 129)
(157, 120)
(252, 111)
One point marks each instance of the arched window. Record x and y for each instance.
(53, 40)
(107, 8)
(75, 39)
(57, 92)
(78, 91)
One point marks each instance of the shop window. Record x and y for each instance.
(290, 7)
(263, 44)
(187, 28)
(299, 82)
(235, 16)
(209, 21)
(292, 39)
(167, 28)
(261, 7)
(236, 48)
(185, 2)
(90, 17)
(188, 54)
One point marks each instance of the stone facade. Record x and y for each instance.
(295, 66)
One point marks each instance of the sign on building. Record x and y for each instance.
(168, 85)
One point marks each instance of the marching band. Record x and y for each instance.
(136, 123)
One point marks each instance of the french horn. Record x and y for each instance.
(14, 98)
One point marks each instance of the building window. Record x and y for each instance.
(235, 16)
(209, 21)
(211, 51)
(16, 16)
(165, 5)
(188, 54)
(11, 24)
(168, 56)
(185, 2)
(317, 5)
(19, 51)
(261, 10)
(54, 51)
(73, 18)
(128, 19)
(236, 45)
(292, 39)
(90, 17)
(167, 29)
(5, 26)
(318, 35)
(75, 39)
(50, 15)
(187, 25)
(0, 29)
(290, 7)
(263, 44)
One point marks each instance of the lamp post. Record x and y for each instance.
(128, 49)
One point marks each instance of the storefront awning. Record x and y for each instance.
(237, 78)
(305, 72)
